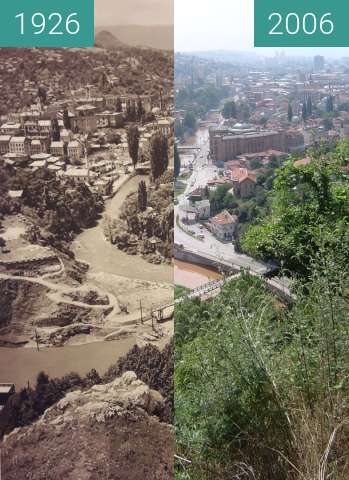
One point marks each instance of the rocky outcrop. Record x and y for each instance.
(146, 233)
(108, 432)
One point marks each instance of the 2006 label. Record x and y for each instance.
(308, 24)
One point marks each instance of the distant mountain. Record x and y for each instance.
(106, 39)
(153, 36)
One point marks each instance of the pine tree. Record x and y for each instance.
(158, 155)
(103, 81)
(55, 134)
(229, 110)
(66, 120)
(42, 94)
(177, 162)
(329, 104)
(142, 196)
(128, 110)
(133, 111)
(304, 112)
(290, 113)
(309, 106)
(133, 143)
(140, 109)
(118, 105)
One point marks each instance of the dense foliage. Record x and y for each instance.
(310, 210)
(261, 390)
(61, 210)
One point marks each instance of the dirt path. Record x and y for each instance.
(58, 293)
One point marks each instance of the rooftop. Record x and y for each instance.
(224, 218)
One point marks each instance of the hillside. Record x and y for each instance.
(109, 431)
(107, 40)
(154, 36)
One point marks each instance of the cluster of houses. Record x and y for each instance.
(91, 144)
(197, 208)
(241, 177)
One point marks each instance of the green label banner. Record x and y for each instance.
(47, 23)
(301, 23)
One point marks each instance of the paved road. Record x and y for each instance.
(203, 171)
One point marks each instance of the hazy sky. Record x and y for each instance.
(133, 12)
(226, 25)
(213, 24)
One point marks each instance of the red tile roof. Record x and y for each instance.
(242, 174)
(224, 218)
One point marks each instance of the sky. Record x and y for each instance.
(133, 12)
(202, 25)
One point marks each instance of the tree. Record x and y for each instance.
(178, 130)
(255, 163)
(140, 109)
(134, 117)
(189, 121)
(304, 112)
(309, 106)
(55, 133)
(66, 120)
(289, 113)
(142, 196)
(118, 105)
(328, 124)
(229, 110)
(177, 162)
(128, 110)
(103, 81)
(309, 210)
(133, 143)
(329, 104)
(93, 378)
(42, 94)
(158, 155)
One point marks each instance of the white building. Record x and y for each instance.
(223, 225)
(19, 145)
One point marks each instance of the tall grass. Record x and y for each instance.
(262, 390)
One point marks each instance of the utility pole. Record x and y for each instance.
(140, 306)
(152, 318)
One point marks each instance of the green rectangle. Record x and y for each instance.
(62, 19)
(320, 13)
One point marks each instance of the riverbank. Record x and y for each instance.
(92, 247)
(137, 287)
(22, 365)
(192, 276)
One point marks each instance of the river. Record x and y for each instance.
(18, 365)
(192, 276)
(92, 247)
